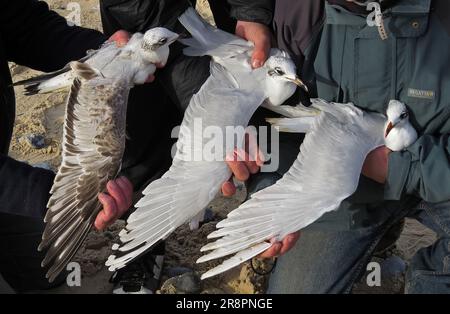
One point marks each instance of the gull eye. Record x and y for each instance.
(279, 71)
(162, 41)
(404, 115)
(276, 71)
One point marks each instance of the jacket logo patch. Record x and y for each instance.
(419, 93)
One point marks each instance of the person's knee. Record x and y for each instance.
(429, 270)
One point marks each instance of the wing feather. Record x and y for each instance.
(190, 184)
(93, 144)
(325, 173)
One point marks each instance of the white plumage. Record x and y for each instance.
(228, 98)
(325, 173)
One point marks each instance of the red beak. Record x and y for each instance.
(389, 128)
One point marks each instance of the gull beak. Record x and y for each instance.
(175, 38)
(389, 128)
(299, 83)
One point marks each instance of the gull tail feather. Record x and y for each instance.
(47, 83)
(53, 81)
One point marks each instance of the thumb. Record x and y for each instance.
(261, 52)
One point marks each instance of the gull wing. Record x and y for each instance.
(93, 144)
(192, 181)
(208, 40)
(325, 173)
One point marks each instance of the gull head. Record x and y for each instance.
(397, 114)
(155, 45)
(282, 79)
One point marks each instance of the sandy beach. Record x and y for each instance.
(43, 115)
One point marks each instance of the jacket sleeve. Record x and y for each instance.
(423, 170)
(24, 190)
(41, 39)
(260, 11)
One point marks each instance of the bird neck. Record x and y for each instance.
(278, 91)
(401, 137)
(158, 56)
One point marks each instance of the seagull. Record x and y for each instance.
(145, 50)
(93, 135)
(327, 170)
(229, 97)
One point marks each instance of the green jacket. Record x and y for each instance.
(411, 65)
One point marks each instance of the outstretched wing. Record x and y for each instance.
(93, 144)
(208, 40)
(193, 179)
(326, 172)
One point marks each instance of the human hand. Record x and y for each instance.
(260, 35)
(376, 164)
(280, 248)
(118, 200)
(242, 166)
(121, 38)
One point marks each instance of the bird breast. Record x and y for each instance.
(401, 137)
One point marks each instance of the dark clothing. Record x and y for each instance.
(33, 36)
(23, 188)
(140, 15)
(20, 261)
(260, 11)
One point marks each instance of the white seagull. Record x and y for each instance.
(326, 172)
(94, 135)
(229, 97)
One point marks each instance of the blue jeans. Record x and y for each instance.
(332, 253)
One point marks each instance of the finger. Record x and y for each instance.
(128, 183)
(116, 193)
(108, 214)
(273, 251)
(160, 65)
(228, 188)
(127, 190)
(261, 51)
(150, 79)
(120, 37)
(252, 166)
(239, 169)
(289, 242)
(253, 149)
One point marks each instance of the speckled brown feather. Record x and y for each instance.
(93, 145)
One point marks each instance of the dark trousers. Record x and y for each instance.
(20, 262)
